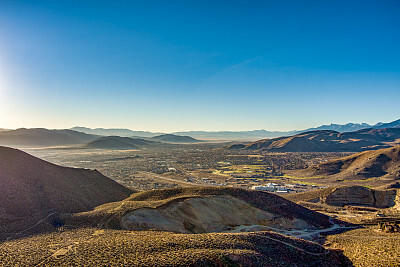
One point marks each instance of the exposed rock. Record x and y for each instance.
(206, 214)
(351, 195)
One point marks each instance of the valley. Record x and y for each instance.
(175, 165)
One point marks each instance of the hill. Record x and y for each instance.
(118, 143)
(202, 210)
(384, 163)
(172, 138)
(31, 186)
(330, 141)
(43, 137)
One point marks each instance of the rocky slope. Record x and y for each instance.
(350, 195)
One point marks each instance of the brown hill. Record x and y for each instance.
(31, 186)
(330, 141)
(43, 137)
(202, 210)
(383, 163)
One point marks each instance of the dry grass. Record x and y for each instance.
(368, 247)
(94, 247)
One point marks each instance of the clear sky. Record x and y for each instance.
(198, 65)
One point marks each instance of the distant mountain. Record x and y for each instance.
(239, 135)
(393, 124)
(376, 163)
(43, 137)
(117, 132)
(118, 143)
(328, 141)
(349, 127)
(31, 186)
(172, 138)
(232, 135)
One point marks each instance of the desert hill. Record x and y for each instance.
(329, 141)
(43, 137)
(118, 143)
(172, 138)
(202, 210)
(31, 186)
(384, 163)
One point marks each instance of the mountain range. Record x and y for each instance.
(239, 135)
(39, 137)
(44, 137)
(327, 141)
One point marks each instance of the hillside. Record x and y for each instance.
(384, 163)
(118, 143)
(31, 186)
(43, 137)
(98, 247)
(202, 210)
(330, 141)
(172, 138)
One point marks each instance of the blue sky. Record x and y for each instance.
(198, 65)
